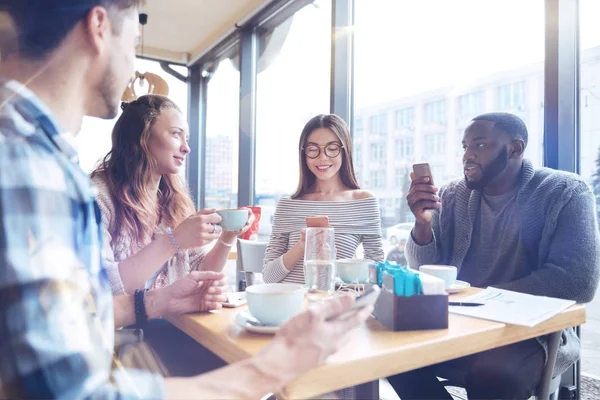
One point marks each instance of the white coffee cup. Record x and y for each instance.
(445, 272)
(275, 303)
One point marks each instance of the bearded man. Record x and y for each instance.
(509, 225)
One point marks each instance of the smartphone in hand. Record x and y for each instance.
(423, 170)
(317, 221)
(369, 297)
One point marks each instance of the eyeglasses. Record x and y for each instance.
(331, 150)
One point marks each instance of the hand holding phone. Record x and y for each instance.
(422, 196)
(368, 298)
(423, 171)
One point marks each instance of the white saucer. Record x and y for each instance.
(245, 320)
(458, 287)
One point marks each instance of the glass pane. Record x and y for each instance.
(222, 135)
(590, 155)
(422, 76)
(292, 87)
(94, 139)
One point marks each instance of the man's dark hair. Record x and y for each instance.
(41, 25)
(508, 123)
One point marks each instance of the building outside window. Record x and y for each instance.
(404, 118)
(378, 152)
(357, 154)
(511, 96)
(402, 176)
(377, 179)
(470, 105)
(435, 144)
(404, 148)
(435, 112)
(358, 128)
(378, 124)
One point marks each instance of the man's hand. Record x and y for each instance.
(198, 291)
(308, 339)
(421, 198)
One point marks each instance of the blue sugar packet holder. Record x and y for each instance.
(401, 305)
(406, 282)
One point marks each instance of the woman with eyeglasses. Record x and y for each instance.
(327, 186)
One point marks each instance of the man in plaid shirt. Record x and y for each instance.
(57, 315)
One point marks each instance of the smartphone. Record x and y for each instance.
(367, 298)
(423, 170)
(317, 221)
(235, 299)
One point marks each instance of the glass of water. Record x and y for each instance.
(319, 263)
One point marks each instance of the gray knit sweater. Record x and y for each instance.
(557, 215)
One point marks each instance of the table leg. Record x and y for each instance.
(553, 343)
(368, 390)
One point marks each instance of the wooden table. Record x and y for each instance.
(374, 351)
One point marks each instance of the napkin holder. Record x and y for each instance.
(408, 313)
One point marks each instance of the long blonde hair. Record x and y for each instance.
(127, 170)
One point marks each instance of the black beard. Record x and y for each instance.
(489, 172)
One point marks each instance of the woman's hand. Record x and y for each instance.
(198, 230)
(249, 223)
(229, 236)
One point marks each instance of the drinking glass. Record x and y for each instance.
(319, 263)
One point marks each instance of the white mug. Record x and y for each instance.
(445, 272)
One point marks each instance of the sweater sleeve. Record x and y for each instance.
(430, 253)
(274, 270)
(571, 269)
(197, 258)
(373, 243)
(111, 265)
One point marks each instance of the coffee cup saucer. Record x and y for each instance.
(245, 320)
(458, 286)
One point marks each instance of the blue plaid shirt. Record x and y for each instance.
(56, 309)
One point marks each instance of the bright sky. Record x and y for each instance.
(402, 47)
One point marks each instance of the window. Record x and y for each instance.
(404, 148)
(435, 144)
(377, 179)
(470, 105)
(402, 62)
(404, 118)
(378, 124)
(435, 112)
(94, 139)
(402, 176)
(358, 127)
(511, 96)
(292, 86)
(378, 152)
(589, 152)
(357, 154)
(222, 135)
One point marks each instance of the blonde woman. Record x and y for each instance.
(151, 227)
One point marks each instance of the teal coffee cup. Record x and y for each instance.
(275, 303)
(233, 219)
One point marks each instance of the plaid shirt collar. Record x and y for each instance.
(32, 108)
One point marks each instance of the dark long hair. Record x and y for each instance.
(127, 170)
(340, 129)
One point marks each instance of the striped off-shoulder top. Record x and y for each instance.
(354, 222)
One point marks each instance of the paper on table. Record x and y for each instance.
(511, 307)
